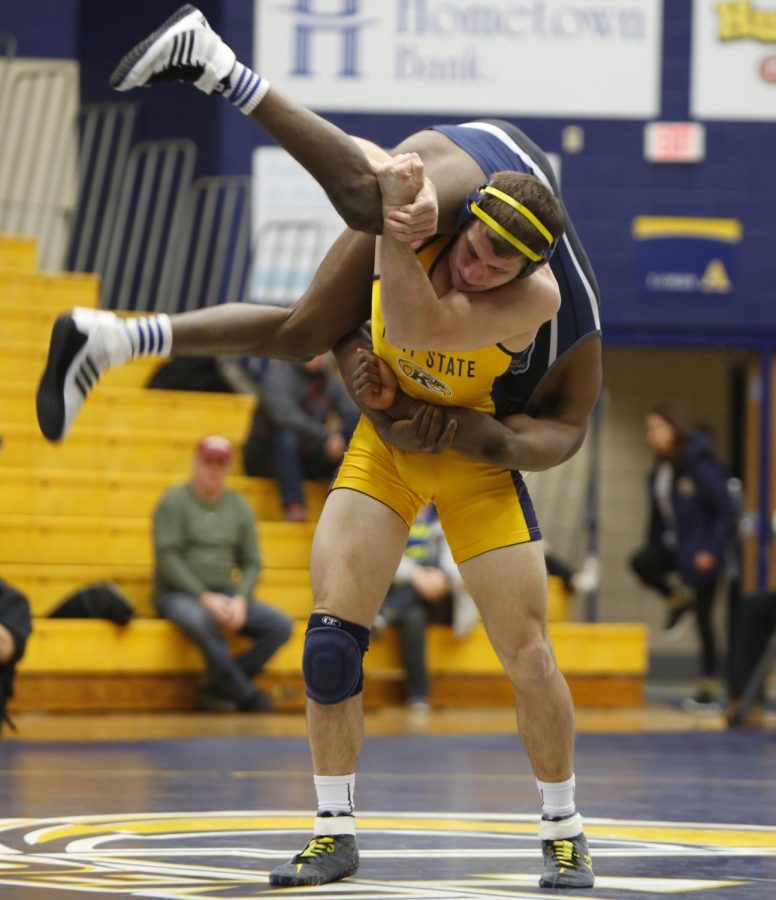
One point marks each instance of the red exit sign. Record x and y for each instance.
(674, 142)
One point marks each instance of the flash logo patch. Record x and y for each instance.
(420, 376)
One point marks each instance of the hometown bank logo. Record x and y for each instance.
(315, 19)
(410, 856)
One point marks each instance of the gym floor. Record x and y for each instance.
(204, 806)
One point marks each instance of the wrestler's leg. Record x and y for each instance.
(350, 572)
(85, 342)
(509, 586)
(336, 302)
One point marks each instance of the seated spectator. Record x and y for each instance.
(580, 581)
(203, 534)
(300, 429)
(426, 589)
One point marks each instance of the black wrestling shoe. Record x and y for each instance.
(567, 863)
(184, 48)
(83, 345)
(324, 859)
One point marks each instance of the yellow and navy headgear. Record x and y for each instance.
(535, 259)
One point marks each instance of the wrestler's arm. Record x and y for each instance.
(554, 425)
(551, 431)
(346, 173)
(338, 298)
(336, 162)
(345, 167)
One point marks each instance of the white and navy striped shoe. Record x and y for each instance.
(184, 48)
(83, 345)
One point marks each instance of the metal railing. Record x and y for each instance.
(7, 55)
(105, 132)
(285, 257)
(149, 218)
(37, 179)
(211, 261)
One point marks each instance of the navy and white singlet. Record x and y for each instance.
(497, 146)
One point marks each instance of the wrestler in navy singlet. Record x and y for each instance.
(496, 146)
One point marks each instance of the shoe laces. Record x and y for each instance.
(317, 847)
(563, 851)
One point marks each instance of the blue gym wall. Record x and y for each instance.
(605, 186)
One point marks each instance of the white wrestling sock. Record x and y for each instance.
(335, 793)
(245, 89)
(557, 798)
(562, 829)
(150, 335)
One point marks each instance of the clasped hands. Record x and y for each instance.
(417, 427)
(229, 612)
(410, 208)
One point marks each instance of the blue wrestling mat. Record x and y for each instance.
(679, 815)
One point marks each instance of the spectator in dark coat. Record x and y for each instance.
(300, 429)
(691, 527)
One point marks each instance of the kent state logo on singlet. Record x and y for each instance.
(449, 377)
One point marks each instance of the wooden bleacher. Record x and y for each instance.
(80, 512)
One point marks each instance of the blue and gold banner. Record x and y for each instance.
(677, 255)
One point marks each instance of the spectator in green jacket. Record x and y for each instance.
(204, 533)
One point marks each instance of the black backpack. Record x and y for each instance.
(99, 600)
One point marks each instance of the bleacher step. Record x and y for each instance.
(68, 540)
(52, 293)
(22, 362)
(18, 253)
(610, 659)
(56, 492)
(46, 585)
(133, 407)
(113, 450)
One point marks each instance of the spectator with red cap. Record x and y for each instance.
(204, 533)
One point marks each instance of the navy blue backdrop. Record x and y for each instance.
(605, 186)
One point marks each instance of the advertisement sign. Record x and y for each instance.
(572, 58)
(734, 60)
(686, 256)
(294, 225)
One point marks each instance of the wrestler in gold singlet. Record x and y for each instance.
(480, 507)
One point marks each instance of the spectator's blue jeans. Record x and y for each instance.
(287, 456)
(295, 459)
(226, 675)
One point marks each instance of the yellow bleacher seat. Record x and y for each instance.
(47, 585)
(22, 362)
(18, 253)
(58, 492)
(104, 450)
(24, 322)
(60, 540)
(150, 646)
(49, 293)
(602, 663)
(130, 407)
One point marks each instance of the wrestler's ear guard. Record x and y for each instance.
(472, 208)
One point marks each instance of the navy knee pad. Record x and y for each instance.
(332, 661)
